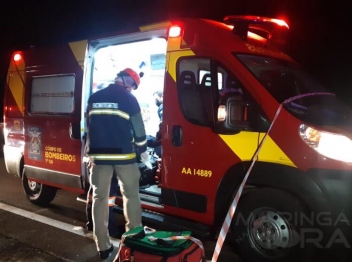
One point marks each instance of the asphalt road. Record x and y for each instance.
(55, 233)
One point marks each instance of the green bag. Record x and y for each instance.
(138, 239)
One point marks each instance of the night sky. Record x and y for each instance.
(320, 30)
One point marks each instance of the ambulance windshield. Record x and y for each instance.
(284, 80)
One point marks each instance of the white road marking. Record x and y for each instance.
(55, 223)
(52, 222)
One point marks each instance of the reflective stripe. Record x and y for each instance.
(113, 157)
(90, 198)
(141, 143)
(109, 112)
(112, 201)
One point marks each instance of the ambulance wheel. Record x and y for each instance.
(37, 193)
(265, 227)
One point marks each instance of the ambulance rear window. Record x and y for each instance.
(53, 94)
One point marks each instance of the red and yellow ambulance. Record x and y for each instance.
(223, 84)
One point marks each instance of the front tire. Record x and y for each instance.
(265, 227)
(37, 193)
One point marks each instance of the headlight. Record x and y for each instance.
(331, 145)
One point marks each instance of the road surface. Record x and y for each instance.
(55, 233)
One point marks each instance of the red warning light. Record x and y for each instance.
(17, 57)
(174, 31)
(233, 19)
(279, 22)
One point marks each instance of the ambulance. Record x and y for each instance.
(225, 84)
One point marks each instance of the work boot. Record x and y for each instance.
(104, 254)
(89, 226)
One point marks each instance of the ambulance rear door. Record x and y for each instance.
(52, 125)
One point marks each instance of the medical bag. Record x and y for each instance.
(143, 244)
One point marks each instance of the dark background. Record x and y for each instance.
(320, 30)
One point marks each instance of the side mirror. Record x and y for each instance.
(232, 115)
(75, 130)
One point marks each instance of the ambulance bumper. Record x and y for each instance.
(12, 158)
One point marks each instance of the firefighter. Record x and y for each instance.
(114, 129)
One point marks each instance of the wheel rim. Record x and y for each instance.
(34, 187)
(269, 231)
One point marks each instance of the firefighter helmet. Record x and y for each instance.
(131, 73)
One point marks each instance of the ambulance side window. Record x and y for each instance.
(230, 84)
(52, 94)
(195, 99)
(200, 95)
(248, 114)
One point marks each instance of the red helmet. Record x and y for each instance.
(130, 72)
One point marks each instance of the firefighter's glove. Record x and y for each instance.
(145, 158)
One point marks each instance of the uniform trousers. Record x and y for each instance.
(100, 179)
(112, 225)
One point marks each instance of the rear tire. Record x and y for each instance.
(265, 227)
(37, 193)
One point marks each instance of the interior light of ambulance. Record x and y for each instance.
(331, 145)
(174, 31)
(17, 57)
(222, 113)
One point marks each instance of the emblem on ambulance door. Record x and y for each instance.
(35, 143)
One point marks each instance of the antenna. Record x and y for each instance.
(169, 10)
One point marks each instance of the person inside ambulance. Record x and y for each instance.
(115, 131)
(158, 96)
(155, 141)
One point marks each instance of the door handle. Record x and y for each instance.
(176, 136)
(75, 130)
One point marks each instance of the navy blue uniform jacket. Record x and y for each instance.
(114, 127)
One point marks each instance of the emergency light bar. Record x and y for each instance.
(269, 28)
